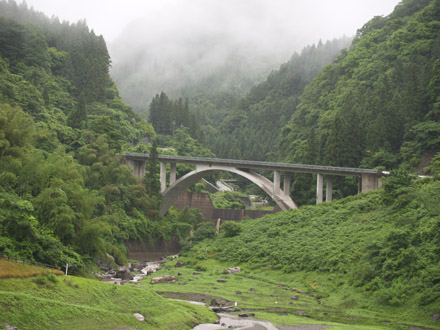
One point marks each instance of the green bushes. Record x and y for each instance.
(204, 231)
(383, 247)
(230, 228)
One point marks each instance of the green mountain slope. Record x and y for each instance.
(378, 103)
(64, 195)
(250, 129)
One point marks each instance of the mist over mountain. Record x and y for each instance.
(215, 47)
(185, 62)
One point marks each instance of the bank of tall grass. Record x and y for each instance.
(65, 302)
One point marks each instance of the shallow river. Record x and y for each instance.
(228, 320)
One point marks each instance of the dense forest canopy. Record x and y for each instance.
(64, 195)
(249, 129)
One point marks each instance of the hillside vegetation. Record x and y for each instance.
(65, 302)
(374, 252)
(65, 197)
(241, 130)
(376, 105)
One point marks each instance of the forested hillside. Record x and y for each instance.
(64, 195)
(377, 104)
(249, 128)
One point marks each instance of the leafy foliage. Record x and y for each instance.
(377, 104)
(65, 195)
(386, 249)
(250, 128)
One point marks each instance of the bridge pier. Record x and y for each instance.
(172, 173)
(320, 189)
(163, 176)
(370, 182)
(137, 167)
(276, 183)
(329, 189)
(286, 185)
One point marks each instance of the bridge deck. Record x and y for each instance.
(252, 164)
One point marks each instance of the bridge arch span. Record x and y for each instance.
(175, 189)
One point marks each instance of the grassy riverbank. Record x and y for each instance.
(371, 259)
(268, 294)
(66, 302)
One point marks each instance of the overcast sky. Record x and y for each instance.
(318, 19)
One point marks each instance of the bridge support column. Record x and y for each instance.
(286, 185)
(137, 167)
(329, 189)
(276, 182)
(369, 182)
(319, 188)
(163, 176)
(172, 173)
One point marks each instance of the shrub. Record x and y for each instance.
(205, 230)
(231, 228)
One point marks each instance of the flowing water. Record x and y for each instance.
(228, 321)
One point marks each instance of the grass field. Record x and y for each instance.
(11, 269)
(65, 302)
(268, 294)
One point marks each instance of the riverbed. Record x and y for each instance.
(226, 321)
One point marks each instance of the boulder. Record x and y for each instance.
(251, 289)
(436, 317)
(182, 283)
(10, 327)
(196, 273)
(179, 264)
(106, 264)
(221, 280)
(136, 266)
(233, 270)
(294, 297)
(164, 279)
(301, 312)
(139, 317)
(124, 274)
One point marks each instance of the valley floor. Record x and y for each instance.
(290, 301)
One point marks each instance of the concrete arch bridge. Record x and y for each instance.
(369, 179)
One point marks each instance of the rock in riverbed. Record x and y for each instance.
(164, 279)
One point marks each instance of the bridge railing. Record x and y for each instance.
(253, 164)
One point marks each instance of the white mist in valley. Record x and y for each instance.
(221, 47)
(187, 47)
